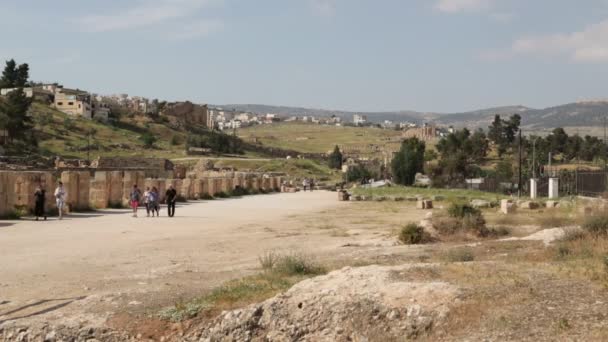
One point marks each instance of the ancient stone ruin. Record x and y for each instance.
(109, 185)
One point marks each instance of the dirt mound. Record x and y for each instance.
(351, 304)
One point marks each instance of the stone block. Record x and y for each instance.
(552, 204)
(424, 204)
(480, 204)
(507, 206)
(531, 205)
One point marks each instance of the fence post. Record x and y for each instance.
(553, 188)
(533, 188)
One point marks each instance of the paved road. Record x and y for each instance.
(109, 257)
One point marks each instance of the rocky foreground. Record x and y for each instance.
(351, 304)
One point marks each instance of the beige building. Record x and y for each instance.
(74, 104)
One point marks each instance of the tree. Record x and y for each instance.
(15, 119)
(495, 130)
(408, 161)
(510, 128)
(358, 173)
(9, 75)
(148, 140)
(22, 75)
(335, 159)
(14, 76)
(479, 145)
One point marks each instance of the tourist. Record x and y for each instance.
(305, 183)
(40, 198)
(171, 197)
(146, 201)
(134, 199)
(153, 201)
(311, 184)
(60, 198)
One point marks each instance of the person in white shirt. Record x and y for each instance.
(60, 198)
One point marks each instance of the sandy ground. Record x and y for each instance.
(89, 266)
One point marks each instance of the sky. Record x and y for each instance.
(359, 55)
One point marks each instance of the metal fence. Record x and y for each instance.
(571, 183)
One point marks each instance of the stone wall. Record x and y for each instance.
(103, 189)
(17, 190)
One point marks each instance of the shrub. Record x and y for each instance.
(499, 231)
(221, 194)
(116, 205)
(240, 191)
(412, 234)
(174, 140)
(181, 198)
(206, 197)
(268, 260)
(460, 255)
(460, 210)
(597, 224)
(295, 264)
(148, 140)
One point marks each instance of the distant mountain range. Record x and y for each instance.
(580, 114)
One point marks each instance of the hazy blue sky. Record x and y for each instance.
(368, 55)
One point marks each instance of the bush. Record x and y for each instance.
(597, 224)
(116, 205)
(412, 234)
(268, 260)
(174, 140)
(290, 265)
(221, 194)
(460, 255)
(460, 210)
(148, 140)
(206, 197)
(239, 191)
(297, 264)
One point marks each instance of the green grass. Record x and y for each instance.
(452, 195)
(280, 272)
(295, 168)
(313, 138)
(57, 139)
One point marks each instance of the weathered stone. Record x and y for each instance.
(479, 203)
(551, 204)
(507, 206)
(529, 205)
(424, 204)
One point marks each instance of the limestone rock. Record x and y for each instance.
(351, 304)
(480, 204)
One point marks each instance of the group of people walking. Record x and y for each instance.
(308, 183)
(150, 199)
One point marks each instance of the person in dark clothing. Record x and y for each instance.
(40, 198)
(171, 197)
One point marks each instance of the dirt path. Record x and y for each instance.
(88, 266)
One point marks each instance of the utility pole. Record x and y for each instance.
(519, 181)
(604, 143)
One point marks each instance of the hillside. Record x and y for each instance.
(585, 115)
(311, 138)
(61, 135)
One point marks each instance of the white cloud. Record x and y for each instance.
(588, 45)
(197, 29)
(325, 8)
(454, 6)
(145, 13)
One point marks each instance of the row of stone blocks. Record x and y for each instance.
(112, 188)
